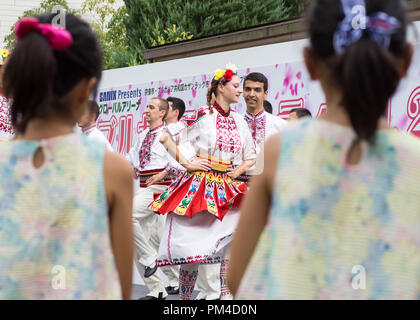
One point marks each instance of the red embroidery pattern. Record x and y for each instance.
(189, 120)
(145, 151)
(197, 258)
(224, 289)
(173, 172)
(5, 120)
(187, 279)
(228, 138)
(257, 126)
(220, 110)
(203, 259)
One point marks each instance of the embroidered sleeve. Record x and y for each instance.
(174, 167)
(189, 121)
(189, 129)
(174, 171)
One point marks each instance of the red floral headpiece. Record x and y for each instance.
(226, 74)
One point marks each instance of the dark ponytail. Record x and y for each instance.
(365, 72)
(213, 90)
(36, 77)
(368, 76)
(28, 79)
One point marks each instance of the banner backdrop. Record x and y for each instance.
(121, 109)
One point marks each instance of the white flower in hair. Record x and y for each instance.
(232, 67)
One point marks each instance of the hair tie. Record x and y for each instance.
(380, 26)
(58, 38)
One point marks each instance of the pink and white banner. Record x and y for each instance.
(122, 108)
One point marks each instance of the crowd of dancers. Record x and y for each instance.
(247, 206)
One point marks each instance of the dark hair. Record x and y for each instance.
(257, 77)
(301, 112)
(36, 77)
(366, 73)
(177, 104)
(213, 90)
(268, 107)
(93, 108)
(209, 96)
(163, 105)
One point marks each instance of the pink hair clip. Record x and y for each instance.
(59, 38)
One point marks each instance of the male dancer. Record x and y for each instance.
(297, 113)
(268, 107)
(87, 123)
(149, 159)
(261, 123)
(176, 109)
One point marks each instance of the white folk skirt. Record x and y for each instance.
(202, 238)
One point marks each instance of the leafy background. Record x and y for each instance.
(126, 32)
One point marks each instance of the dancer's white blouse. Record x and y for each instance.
(217, 134)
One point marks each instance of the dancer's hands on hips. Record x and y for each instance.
(233, 173)
(198, 165)
(156, 178)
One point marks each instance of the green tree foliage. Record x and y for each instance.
(105, 19)
(126, 32)
(297, 7)
(147, 19)
(170, 35)
(44, 7)
(117, 53)
(108, 22)
(100, 11)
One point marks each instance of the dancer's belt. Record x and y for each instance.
(217, 164)
(146, 174)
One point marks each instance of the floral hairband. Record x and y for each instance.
(3, 55)
(226, 75)
(379, 26)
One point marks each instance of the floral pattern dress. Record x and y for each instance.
(337, 231)
(54, 230)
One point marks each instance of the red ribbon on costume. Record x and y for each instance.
(58, 38)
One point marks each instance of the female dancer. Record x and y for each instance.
(203, 203)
